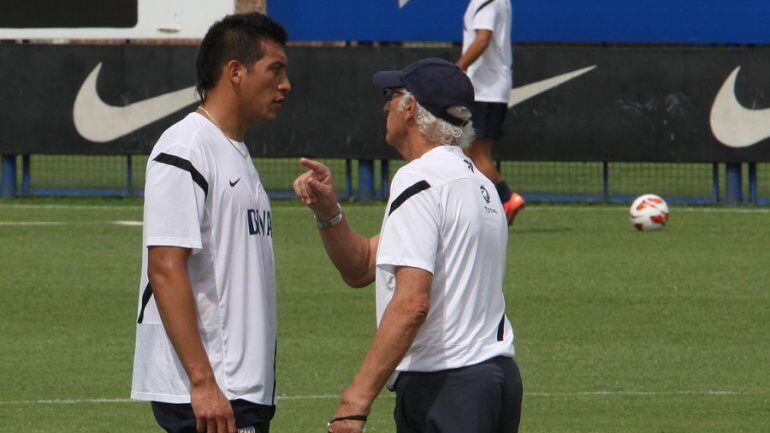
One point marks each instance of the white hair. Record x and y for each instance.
(439, 130)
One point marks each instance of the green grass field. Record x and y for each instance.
(617, 331)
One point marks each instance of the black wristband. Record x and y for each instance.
(348, 418)
(345, 418)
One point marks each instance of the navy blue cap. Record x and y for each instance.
(436, 84)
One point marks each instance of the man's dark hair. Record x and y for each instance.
(234, 37)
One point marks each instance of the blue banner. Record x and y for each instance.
(577, 21)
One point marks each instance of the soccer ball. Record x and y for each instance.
(648, 212)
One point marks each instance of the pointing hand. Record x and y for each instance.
(315, 188)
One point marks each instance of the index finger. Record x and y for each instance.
(315, 166)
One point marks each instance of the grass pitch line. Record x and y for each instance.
(634, 393)
(71, 206)
(390, 396)
(66, 401)
(33, 223)
(674, 209)
(533, 207)
(62, 223)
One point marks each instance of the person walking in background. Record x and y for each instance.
(443, 341)
(487, 59)
(206, 320)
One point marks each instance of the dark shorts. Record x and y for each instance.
(488, 118)
(179, 418)
(482, 398)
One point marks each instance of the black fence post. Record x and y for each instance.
(129, 176)
(384, 178)
(26, 174)
(606, 181)
(348, 178)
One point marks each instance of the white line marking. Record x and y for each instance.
(115, 207)
(128, 223)
(633, 393)
(620, 208)
(61, 223)
(390, 395)
(67, 401)
(533, 207)
(33, 223)
(69, 206)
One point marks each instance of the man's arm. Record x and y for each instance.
(400, 323)
(167, 270)
(352, 254)
(476, 49)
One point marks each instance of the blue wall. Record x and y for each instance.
(652, 21)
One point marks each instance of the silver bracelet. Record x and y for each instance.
(333, 221)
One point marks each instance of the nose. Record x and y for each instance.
(285, 86)
(386, 107)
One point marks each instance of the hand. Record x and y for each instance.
(316, 189)
(348, 406)
(346, 426)
(213, 412)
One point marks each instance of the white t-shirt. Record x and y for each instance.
(490, 73)
(201, 193)
(445, 217)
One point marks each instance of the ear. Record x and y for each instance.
(234, 71)
(411, 109)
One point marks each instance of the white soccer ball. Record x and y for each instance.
(648, 212)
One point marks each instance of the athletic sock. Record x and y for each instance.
(503, 191)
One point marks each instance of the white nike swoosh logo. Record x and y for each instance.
(402, 3)
(98, 122)
(733, 124)
(521, 94)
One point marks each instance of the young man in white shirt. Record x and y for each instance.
(487, 58)
(443, 340)
(206, 320)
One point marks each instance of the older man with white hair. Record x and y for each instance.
(443, 342)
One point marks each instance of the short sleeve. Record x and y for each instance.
(410, 233)
(175, 198)
(485, 16)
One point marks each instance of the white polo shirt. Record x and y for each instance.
(445, 217)
(201, 193)
(491, 73)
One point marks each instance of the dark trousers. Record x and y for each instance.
(179, 418)
(482, 398)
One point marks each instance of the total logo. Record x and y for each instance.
(487, 199)
(485, 194)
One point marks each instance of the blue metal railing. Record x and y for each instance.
(367, 188)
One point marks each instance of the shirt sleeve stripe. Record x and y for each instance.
(412, 190)
(486, 3)
(501, 329)
(145, 300)
(185, 165)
